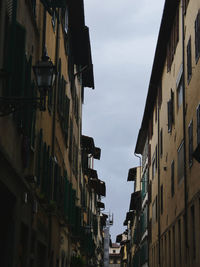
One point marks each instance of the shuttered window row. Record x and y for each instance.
(54, 186)
(190, 137)
(63, 104)
(189, 61)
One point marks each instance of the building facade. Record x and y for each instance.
(50, 193)
(114, 255)
(170, 126)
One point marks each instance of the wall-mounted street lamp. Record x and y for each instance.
(44, 72)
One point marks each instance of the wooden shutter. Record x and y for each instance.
(189, 60)
(149, 154)
(169, 113)
(50, 177)
(190, 134)
(66, 119)
(39, 157)
(59, 86)
(44, 166)
(18, 75)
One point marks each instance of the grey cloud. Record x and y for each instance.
(123, 38)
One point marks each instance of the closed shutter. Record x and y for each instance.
(189, 61)
(66, 196)
(190, 134)
(66, 118)
(59, 86)
(44, 168)
(149, 154)
(10, 49)
(50, 177)
(55, 187)
(18, 75)
(39, 157)
(169, 113)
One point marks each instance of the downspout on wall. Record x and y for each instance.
(159, 189)
(184, 137)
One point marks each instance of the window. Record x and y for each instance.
(66, 20)
(159, 95)
(197, 37)
(170, 112)
(153, 166)
(181, 162)
(161, 142)
(190, 134)
(198, 124)
(185, 4)
(180, 93)
(193, 231)
(151, 127)
(172, 178)
(154, 210)
(189, 61)
(161, 199)
(53, 21)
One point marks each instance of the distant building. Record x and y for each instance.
(114, 255)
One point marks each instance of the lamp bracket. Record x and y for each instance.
(9, 105)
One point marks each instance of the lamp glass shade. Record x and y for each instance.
(44, 73)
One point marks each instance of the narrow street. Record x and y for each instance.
(99, 133)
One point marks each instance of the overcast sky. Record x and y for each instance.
(123, 36)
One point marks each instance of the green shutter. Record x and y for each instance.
(44, 167)
(50, 178)
(66, 118)
(39, 157)
(18, 75)
(11, 44)
(66, 196)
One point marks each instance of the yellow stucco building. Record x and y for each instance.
(50, 194)
(171, 126)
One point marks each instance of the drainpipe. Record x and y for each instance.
(44, 33)
(56, 84)
(158, 162)
(184, 137)
(54, 120)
